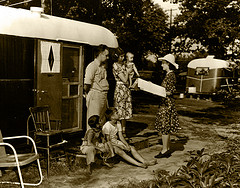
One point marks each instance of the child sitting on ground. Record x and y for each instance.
(94, 142)
(131, 65)
(112, 131)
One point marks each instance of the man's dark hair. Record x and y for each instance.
(101, 48)
(93, 121)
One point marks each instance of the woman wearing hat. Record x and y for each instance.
(166, 119)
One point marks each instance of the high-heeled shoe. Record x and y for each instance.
(167, 154)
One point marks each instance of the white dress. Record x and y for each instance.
(112, 131)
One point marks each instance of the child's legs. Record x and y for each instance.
(136, 155)
(130, 80)
(122, 154)
(90, 151)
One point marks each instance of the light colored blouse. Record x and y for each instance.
(96, 76)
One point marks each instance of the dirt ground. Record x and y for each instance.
(201, 123)
(199, 119)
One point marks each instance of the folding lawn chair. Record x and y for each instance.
(18, 160)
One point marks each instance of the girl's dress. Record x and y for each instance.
(122, 94)
(90, 150)
(112, 131)
(166, 119)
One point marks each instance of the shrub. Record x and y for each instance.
(204, 171)
(229, 98)
(201, 171)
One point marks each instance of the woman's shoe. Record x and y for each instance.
(167, 154)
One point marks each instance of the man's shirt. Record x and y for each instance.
(96, 76)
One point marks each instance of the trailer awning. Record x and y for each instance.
(209, 62)
(32, 24)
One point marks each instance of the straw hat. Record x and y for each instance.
(169, 58)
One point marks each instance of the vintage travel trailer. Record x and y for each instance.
(208, 75)
(42, 62)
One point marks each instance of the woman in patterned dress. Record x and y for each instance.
(122, 93)
(166, 119)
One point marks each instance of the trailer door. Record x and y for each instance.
(72, 83)
(48, 88)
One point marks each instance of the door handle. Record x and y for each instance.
(43, 91)
(35, 90)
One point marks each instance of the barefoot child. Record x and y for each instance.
(93, 142)
(131, 65)
(112, 131)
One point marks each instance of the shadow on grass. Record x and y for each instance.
(200, 114)
(178, 145)
(133, 128)
(221, 115)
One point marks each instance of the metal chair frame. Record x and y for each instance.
(17, 160)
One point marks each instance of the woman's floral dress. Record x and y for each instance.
(122, 94)
(166, 119)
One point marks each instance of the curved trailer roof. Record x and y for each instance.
(33, 24)
(209, 61)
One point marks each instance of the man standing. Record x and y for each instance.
(96, 85)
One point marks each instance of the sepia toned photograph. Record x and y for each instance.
(119, 93)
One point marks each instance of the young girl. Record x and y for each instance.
(93, 142)
(113, 130)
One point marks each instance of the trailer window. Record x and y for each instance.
(71, 64)
(202, 71)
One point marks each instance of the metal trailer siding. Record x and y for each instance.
(206, 83)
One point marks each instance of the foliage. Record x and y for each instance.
(133, 184)
(213, 23)
(204, 170)
(201, 171)
(18, 4)
(234, 146)
(84, 10)
(229, 98)
(139, 25)
(173, 1)
(183, 59)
